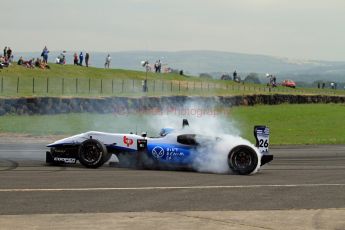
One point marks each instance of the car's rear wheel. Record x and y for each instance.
(243, 160)
(92, 153)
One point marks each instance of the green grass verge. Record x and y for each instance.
(289, 124)
(60, 124)
(295, 124)
(69, 80)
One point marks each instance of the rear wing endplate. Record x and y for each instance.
(262, 136)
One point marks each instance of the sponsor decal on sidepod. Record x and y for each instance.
(127, 141)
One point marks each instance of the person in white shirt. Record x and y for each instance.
(107, 61)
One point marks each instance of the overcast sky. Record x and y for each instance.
(310, 29)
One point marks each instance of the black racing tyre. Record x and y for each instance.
(107, 158)
(92, 153)
(243, 160)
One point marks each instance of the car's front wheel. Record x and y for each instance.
(243, 160)
(92, 153)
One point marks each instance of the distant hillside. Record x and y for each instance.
(196, 62)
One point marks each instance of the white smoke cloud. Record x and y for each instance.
(212, 124)
(214, 157)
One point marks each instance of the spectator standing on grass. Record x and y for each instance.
(75, 59)
(107, 61)
(61, 59)
(5, 51)
(44, 54)
(159, 66)
(234, 75)
(81, 58)
(87, 56)
(156, 67)
(9, 53)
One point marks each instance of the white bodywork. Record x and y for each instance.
(211, 157)
(118, 139)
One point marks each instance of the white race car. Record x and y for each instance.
(173, 149)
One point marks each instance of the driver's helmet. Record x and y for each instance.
(165, 131)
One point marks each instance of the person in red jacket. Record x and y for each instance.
(75, 60)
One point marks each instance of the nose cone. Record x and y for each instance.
(77, 139)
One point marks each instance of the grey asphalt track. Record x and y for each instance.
(300, 177)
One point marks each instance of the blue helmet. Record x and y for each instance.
(165, 131)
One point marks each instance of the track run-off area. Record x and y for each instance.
(304, 187)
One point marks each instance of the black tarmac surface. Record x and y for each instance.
(300, 177)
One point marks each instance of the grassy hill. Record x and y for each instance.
(69, 80)
(197, 62)
(71, 71)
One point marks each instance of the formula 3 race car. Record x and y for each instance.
(173, 149)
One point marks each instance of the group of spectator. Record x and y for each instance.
(4, 62)
(32, 63)
(79, 60)
(158, 66)
(7, 58)
(41, 63)
(272, 80)
(61, 59)
(321, 85)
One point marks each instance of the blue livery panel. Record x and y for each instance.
(170, 154)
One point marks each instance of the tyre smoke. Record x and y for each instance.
(217, 134)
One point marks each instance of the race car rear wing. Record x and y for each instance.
(262, 136)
